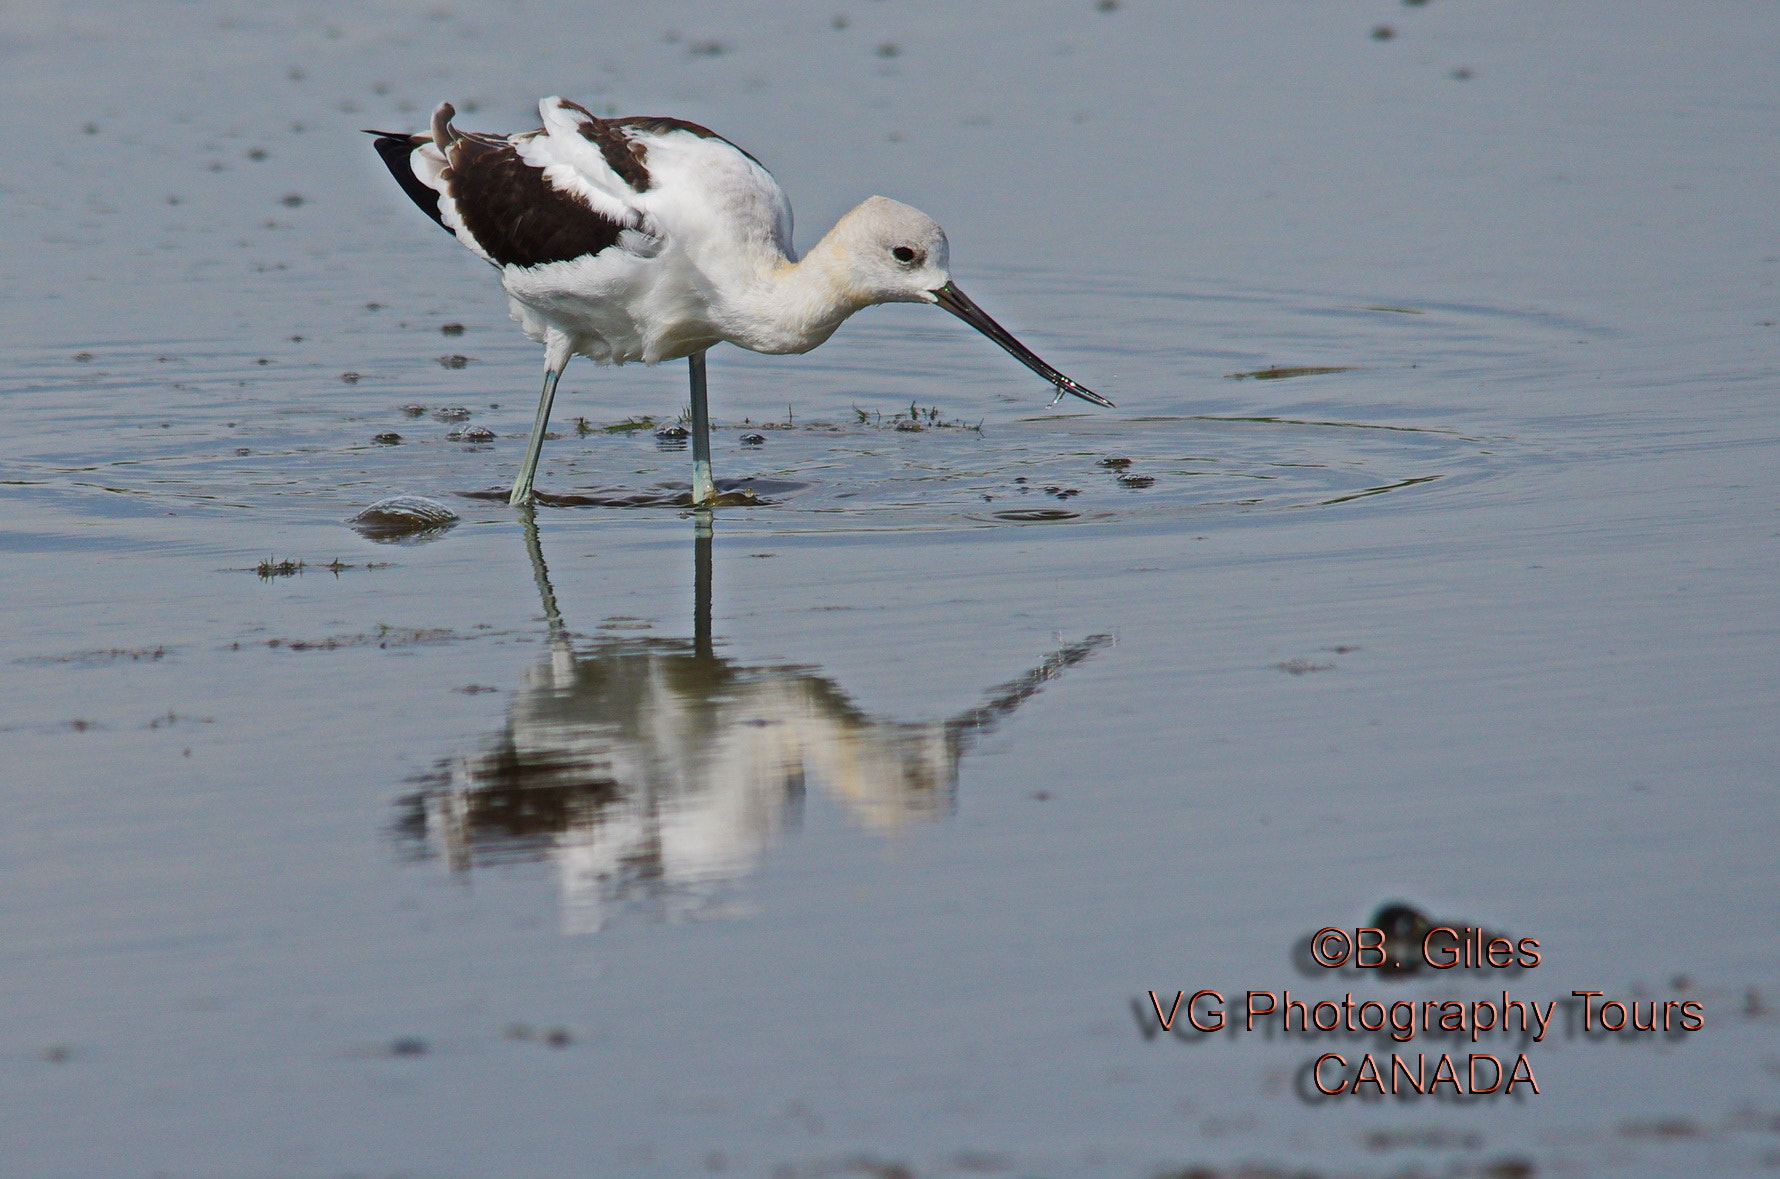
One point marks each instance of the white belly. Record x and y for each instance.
(614, 308)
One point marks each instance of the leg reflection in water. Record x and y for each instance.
(654, 773)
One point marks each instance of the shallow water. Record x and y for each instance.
(850, 833)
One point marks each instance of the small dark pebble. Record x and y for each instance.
(242, 450)
(83, 357)
(414, 411)
(292, 200)
(454, 361)
(387, 438)
(478, 434)
(1019, 478)
(408, 1046)
(451, 329)
(558, 1038)
(57, 1054)
(889, 49)
(351, 378)
(1115, 462)
(1461, 74)
(1136, 480)
(451, 413)
(672, 430)
(1383, 32)
(753, 439)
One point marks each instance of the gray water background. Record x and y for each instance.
(1485, 622)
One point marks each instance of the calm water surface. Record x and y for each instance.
(849, 834)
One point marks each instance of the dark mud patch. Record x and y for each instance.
(731, 493)
(382, 637)
(100, 657)
(1302, 666)
(1036, 515)
(1278, 373)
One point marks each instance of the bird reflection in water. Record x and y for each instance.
(654, 773)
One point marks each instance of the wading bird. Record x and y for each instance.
(652, 239)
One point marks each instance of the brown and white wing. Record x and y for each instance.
(517, 200)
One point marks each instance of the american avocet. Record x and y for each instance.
(653, 239)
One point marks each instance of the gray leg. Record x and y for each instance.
(704, 492)
(522, 486)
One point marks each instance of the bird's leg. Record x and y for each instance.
(522, 486)
(704, 492)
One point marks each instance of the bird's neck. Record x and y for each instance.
(792, 306)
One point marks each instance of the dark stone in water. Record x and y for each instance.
(672, 432)
(387, 438)
(414, 411)
(1136, 480)
(451, 413)
(472, 434)
(403, 518)
(753, 439)
(1115, 462)
(1036, 515)
(454, 361)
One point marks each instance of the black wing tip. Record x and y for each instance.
(395, 150)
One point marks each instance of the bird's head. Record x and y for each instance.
(889, 252)
(892, 253)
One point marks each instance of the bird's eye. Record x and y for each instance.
(903, 254)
